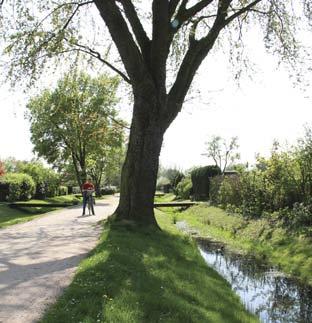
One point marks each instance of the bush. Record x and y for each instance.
(230, 191)
(108, 190)
(214, 187)
(200, 180)
(163, 183)
(184, 188)
(76, 190)
(177, 179)
(46, 180)
(299, 218)
(63, 190)
(20, 187)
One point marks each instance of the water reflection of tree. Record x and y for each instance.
(274, 298)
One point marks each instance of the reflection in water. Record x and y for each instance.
(263, 290)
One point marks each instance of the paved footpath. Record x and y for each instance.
(39, 258)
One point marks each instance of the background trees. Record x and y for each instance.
(76, 122)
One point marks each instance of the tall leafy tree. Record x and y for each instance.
(146, 36)
(76, 121)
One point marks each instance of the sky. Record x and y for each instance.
(258, 111)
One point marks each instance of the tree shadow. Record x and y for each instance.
(140, 275)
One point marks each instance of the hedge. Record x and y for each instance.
(200, 180)
(16, 187)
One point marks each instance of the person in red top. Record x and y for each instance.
(87, 190)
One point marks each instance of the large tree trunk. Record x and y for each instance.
(139, 173)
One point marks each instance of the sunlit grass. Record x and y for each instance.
(274, 244)
(147, 275)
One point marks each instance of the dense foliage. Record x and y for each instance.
(278, 187)
(201, 179)
(184, 189)
(77, 123)
(16, 187)
(46, 180)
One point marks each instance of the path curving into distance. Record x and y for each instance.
(38, 259)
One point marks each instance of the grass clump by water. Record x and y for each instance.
(146, 275)
(290, 251)
(10, 216)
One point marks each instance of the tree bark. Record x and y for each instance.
(139, 172)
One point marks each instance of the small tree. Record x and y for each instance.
(222, 152)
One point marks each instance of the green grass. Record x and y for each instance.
(10, 216)
(292, 253)
(142, 275)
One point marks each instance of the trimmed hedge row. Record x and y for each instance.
(201, 181)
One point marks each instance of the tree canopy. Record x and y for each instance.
(76, 121)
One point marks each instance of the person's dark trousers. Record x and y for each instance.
(85, 201)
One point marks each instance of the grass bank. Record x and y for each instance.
(142, 275)
(292, 253)
(9, 216)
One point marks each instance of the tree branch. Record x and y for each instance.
(173, 4)
(139, 32)
(241, 11)
(79, 4)
(96, 54)
(160, 42)
(198, 50)
(123, 39)
(184, 14)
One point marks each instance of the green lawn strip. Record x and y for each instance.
(292, 253)
(142, 275)
(10, 216)
(165, 198)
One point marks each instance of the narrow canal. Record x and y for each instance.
(263, 289)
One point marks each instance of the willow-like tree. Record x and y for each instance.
(76, 122)
(148, 37)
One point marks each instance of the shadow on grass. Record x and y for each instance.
(142, 275)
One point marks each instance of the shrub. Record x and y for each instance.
(177, 179)
(214, 187)
(200, 180)
(230, 191)
(163, 183)
(20, 187)
(63, 190)
(46, 180)
(184, 188)
(107, 190)
(299, 218)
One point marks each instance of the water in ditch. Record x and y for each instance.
(263, 289)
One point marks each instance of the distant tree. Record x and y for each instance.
(222, 152)
(104, 164)
(76, 121)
